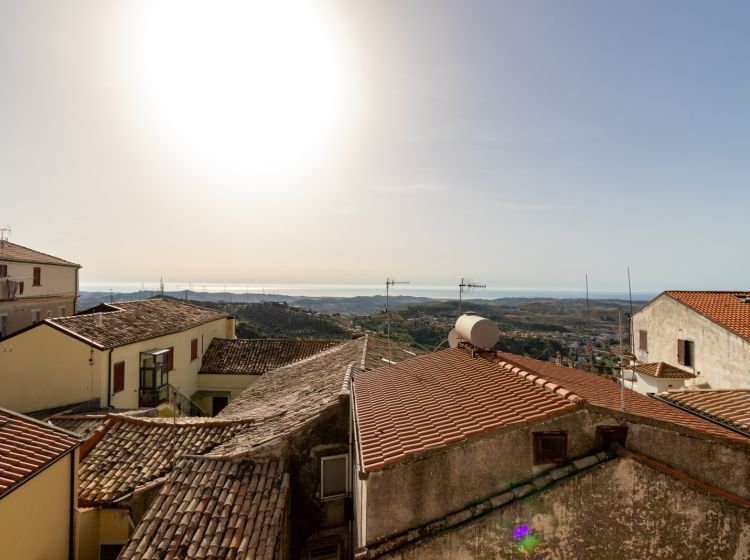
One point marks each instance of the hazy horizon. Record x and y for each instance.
(522, 144)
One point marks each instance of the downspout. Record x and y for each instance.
(109, 379)
(77, 292)
(71, 520)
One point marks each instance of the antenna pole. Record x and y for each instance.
(588, 326)
(388, 283)
(630, 317)
(466, 285)
(622, 370)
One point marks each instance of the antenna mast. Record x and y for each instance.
(388, 283)
(464, 286)
(590, 348)
(161, 286)
(5, 233)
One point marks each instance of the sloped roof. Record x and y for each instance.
(215, 508)
(730, 406)
(27, 446)
(131, 452)
(442, 398)
(126, 322)
(725, 308)
(257, 356)
(603, 392)
(10, 252)
(663, 370)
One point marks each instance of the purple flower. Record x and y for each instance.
(521, 531)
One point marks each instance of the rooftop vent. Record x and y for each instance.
(477, 331)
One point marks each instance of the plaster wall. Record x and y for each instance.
(619, 510)
(184, 376)
(722, 358)
(646, 384)
(35, 517)
(431, 485)
(233, 384)
(44, 368)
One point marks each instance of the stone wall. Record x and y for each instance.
(619, 510)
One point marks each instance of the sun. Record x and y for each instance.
(245, 88)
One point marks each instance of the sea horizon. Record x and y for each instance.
(355, 290)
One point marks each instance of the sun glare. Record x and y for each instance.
(248, 89)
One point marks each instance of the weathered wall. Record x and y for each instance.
(434, 484)
(35, 518)
(619, 511)
(232, 384)
(44, 368)
(722, 359)
(646, 384)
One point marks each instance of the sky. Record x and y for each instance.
(523, 144)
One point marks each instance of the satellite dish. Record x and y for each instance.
(453, 338)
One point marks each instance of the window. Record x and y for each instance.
(686, 352)
(3, 325)
(3, 270)
(643, 340)
(170, 359)
(334, 476)
(20, 288)
(61, 311)
(607, 435)
(218, 404)
(550, 447)
(330, 552)
(194, 349)
(36, 316)
(37, 276)
(119, 379)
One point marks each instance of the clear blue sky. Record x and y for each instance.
(521, 143)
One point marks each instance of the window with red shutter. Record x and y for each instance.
(194, 349)
(119, 378)
(643, 340)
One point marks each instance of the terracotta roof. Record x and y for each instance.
(257, 356)
(10, 252)
(725, 308)
(215, 508)
(731, 406)
(663, 370)
(85, 423)
(133, 321)
(27, 446)
(284, 399)
(442, 398)
(134, 451)
(603, 392)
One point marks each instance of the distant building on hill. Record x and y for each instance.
(34, 286)
(706, 335)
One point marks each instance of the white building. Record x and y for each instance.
(704, 333)
(659, 377)
(34, 286)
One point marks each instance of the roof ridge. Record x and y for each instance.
(70, 263)
(167, 422)
(40, 423)
(537, 379)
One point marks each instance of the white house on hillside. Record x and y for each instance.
(33, 287)
(705, 334)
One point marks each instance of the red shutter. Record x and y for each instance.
(119, 381)
(170, 359)
(643, 344)
(194, 349)
(681, 351)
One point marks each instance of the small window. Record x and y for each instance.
(61, 311)
(109, 551)
(119, 378)
(3, 325)
(194, 349)
(550, 447)
(686, 352)
(330, 552)
(218, 404)
(607, 435)
(643, 340)
(170, 359)
(37, 276)
(20, 288)
(3, 270)
(36, 316)
(334, 476)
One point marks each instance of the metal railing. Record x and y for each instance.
(169, 393)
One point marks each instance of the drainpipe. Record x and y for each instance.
(109, 379)
(71, 520)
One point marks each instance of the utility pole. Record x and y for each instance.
(388, 283)
(464, 286)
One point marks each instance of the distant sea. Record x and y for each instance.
(352, 290)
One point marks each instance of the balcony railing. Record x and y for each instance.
(168, 393)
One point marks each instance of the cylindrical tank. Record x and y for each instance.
(477, 331)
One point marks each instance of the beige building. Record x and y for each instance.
(38, 482)
(706, 334)
(33, 287)
(126, 355)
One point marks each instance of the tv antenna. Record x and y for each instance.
(388, 283)
(465, 286)
(590, 349)
(5, 233)
(161, 286)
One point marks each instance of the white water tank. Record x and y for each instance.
(477, 331)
